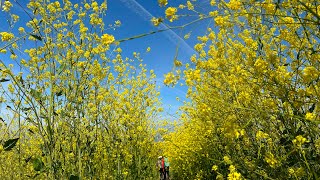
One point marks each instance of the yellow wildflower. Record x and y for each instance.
(117, 23)
(234, 4)
(299, 141)
(219, 20)
(234, 176)
(214, 168)
(310, 116)
(310, 73)
(87, 6)
(232, 168)
(21, 30)
(227, 160)
(187, 36)
(5, 36)
(190, 5)
(291, 171)
(269, 158)
(169, 78)
(156, 21)
(212, 2)
(177, 63)
(3, 51)
(107, 39)
(6, 6)
(171, 13)
(162, 2)
(181, 6)
(261, 135)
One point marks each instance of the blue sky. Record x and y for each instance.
(135, 17)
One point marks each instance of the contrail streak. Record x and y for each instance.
(170, 34)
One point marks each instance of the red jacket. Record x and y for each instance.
(162, 163)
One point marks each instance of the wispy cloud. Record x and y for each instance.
(170, 34)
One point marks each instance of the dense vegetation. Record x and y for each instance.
(254, 90)
(73, 110)
(76, 112)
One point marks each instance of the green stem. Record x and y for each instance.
(163, 30)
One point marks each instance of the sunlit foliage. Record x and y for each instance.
(75, 107)
(254, 90)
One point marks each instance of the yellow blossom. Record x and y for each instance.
(187, 36)
(291, 171)
(181, 6)
(171, 13)
(227, 160)
(190, 5)
(177, 63)
(212, 2)
(270, 159)
(6, 6)
(107, 39)
(5, 36)
(310, 73)
(117, 23)
(87, 6)
(214, 168)
(234, 176)
(169, 79)
(219, 20)
(261, 135)
(234, 4)
(162, 2)
(21, 30)
(310, 116)
(299, 141)
(156, 21)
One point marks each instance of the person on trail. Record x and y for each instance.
(160, 166)
(166, 167)
(163, 169)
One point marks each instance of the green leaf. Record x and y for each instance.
(26, 108)
(35, 93)
(21, 80)
(74, 177)
(59, 93)
(8, 145)
(38, 164)
(36, 37)
(4, 80)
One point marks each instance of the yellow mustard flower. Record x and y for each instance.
(107, 39)
(299, 141)
(171, 13)
(6, 6)
(162, 2)
(156, 21)
(234, 176)
(310, 116)
(5, 36)
(190, 5)
(212, 2)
